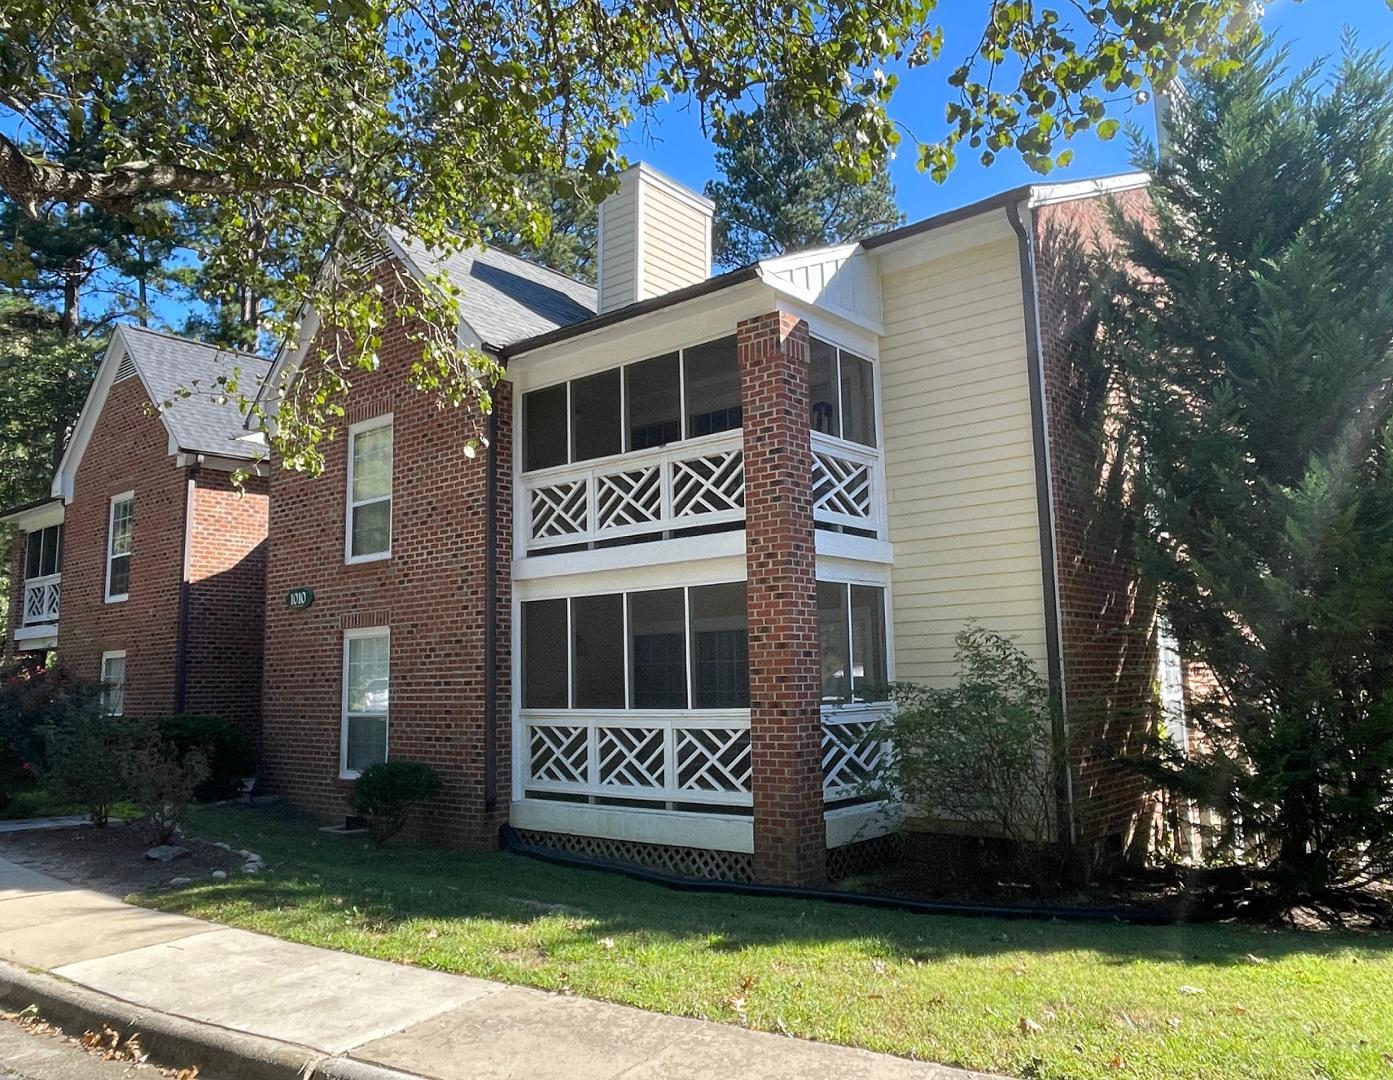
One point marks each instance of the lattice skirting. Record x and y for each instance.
(681, 861)
(863, 855)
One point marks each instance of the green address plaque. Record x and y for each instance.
(299, 598)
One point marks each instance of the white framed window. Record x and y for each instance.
(119, 535)
(366, 690)
(114, 683)
(368, 534)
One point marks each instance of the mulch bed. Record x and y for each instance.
(112, 859)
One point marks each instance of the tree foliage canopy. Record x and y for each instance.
(784, 186)
(300, 129)
(1254, 353)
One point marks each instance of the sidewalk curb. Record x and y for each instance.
(173, 1041)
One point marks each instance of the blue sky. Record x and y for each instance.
(674, 142)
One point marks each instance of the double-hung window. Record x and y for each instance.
(113, 683)
(366, 689)
(369, 532)
(120, 527)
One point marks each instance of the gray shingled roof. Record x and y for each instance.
(505, 298)
(204, 422)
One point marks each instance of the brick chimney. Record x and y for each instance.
(655, 236)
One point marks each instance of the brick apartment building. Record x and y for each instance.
(715, 518)
(146, 568)
(655, 619)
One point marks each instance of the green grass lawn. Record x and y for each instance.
(1109, 1000)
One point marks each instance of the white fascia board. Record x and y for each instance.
(1045, 194)
(952, 238)
(34, 518)
(116, 350)
(813, 299)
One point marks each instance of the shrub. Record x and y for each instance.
(227, 748)
(16, 775)
(83, 749)
(33, 700)
(984, 753)
(385, 793)
(159, 777)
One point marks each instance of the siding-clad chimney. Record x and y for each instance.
(655, 236)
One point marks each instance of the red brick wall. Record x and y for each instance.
(128, 451)
(14, 593)
(785, 676)
(1107, 646)
(430, 593)
(227, 599)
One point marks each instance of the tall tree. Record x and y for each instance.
(1254, 353)
(786, 185)
(323, 123)
(558, 228)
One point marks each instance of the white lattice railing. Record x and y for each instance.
(697, 482)
(680, 757)
(853, 749)
(41, 596)
(844, 483)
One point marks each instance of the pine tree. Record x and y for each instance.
(1252, 340)
(785, 188)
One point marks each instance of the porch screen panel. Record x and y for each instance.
(868, 667)
(658, 649)
(651, 388)
(825, 414)
(712, 374)
(544, 654)
(858, 399)
(597, 656)
(544, 428)
(720, 647)
(833, 634)
(595, 425)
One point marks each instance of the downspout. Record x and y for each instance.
(1044, 497)
(181, 657)
(491, 616)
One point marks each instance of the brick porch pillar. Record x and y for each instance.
(785, 677)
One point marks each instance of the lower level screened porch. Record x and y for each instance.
(633, 730)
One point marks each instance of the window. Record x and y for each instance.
(366, 690)
(639, 406)
(369, 532)
(851, 634)
(43, 552)
(113, 683)
(841, 394)
(118, 547)
(656, 649)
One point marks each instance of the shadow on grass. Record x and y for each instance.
(313, 877)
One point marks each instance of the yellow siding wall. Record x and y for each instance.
(674, 242)
(618, 273)
(960, 467)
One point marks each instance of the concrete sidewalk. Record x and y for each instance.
(351, 1010)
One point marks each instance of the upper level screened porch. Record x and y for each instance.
(39, 592)
(654, 449)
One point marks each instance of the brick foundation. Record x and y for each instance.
(785, 677)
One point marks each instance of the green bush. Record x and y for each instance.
(985, 753)
(158, 777)
(83, 750)
(385, 793)
(226, 747)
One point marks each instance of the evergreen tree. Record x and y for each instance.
(785, 186)
(1252, 339)
(556, 227)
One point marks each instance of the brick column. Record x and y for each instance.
(785, 679)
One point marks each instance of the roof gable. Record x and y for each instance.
(204, 422)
